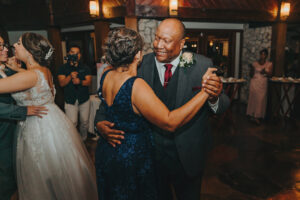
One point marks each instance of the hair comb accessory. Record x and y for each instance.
(49, 53)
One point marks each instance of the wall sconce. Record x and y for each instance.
(285, 9)
(211, 43)
(173, 7)
(94, 8)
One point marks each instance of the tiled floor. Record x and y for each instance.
(250, 162)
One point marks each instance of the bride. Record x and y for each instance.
(51, 161)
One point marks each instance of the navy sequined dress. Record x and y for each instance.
(126, 172)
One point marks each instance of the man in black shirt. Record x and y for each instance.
(75, 77)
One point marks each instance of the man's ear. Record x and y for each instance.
(182, 42)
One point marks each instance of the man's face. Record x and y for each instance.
(168, 42)
(3, 51)
(75, 50)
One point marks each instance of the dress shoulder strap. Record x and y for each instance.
(101, 83)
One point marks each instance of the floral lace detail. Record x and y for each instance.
(33, 139)
(38, 95)
(127, 171)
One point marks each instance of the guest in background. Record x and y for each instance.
(258, 87)
(100, 67)
(75, 77)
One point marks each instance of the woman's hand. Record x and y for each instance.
(14, 64)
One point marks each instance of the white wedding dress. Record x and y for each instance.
(51, 160)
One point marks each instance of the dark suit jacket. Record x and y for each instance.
(193, 140)
(8, 114)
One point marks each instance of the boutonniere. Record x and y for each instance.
(186, 60)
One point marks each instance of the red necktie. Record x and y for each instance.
(168, 74)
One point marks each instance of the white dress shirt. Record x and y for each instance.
(2, 71)
(161, 72)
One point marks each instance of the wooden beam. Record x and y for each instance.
(278, 47)
(207, 14)
(130, 8)
(113, 12)
(55, 39)
(131, 23)
(101, 33)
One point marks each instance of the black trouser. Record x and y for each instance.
(170, 172)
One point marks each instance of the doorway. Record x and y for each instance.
(219, 45)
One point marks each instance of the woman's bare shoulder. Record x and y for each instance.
(140, 83)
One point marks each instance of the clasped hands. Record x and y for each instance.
(212, 85)
(74, 77)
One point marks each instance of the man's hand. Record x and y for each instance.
(76, 81)
(74, 75)
(213, 86)
(14, 64)
(112, 136)
(36, 111)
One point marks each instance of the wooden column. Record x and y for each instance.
(279, 30)
(131, 23)
(101, 33)
(55, 39)
(278, 47)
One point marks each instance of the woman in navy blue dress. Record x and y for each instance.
(126, 172)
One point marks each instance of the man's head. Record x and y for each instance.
(75, 50)
(169, 40)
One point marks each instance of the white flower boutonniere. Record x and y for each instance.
(186, 60)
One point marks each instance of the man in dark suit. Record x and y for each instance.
(180, 156)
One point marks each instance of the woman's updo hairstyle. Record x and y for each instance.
(121, 46)
(39, 47)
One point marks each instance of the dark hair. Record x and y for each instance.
(265, 51)
(74, 46)
(121, 46)
(39, 47)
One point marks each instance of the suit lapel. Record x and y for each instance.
(149, 71)
(182, 85)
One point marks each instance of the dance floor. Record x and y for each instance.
(251, 162)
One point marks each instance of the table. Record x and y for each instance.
(285, 85)
(231, 86)
(94, 105)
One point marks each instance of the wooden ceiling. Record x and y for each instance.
(34, 14)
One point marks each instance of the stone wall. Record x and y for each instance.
(255, 39)
(147, 28)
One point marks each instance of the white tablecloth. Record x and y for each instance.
(95, 103)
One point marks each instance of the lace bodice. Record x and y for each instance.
(38, 95)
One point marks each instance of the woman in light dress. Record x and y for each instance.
(257, 101)
(51, 160)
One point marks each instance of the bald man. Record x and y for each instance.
(180, 156)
